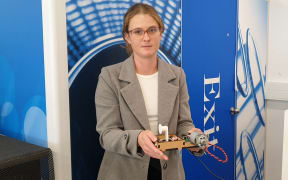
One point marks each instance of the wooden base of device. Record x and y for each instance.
(173, 143)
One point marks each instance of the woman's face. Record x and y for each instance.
(144, 45)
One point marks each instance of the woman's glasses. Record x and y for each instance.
(138, 33)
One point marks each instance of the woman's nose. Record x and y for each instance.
(146, 36)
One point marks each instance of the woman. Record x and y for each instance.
(133, 97)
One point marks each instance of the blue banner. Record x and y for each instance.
(209, 46)
(22, 85)
(250, 80)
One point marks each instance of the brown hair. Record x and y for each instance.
(139, 8)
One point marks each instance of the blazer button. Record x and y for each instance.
(125, 136)
(165, 165)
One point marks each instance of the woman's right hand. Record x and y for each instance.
(146, 140)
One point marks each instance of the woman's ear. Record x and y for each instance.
(127, 38)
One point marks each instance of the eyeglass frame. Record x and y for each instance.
(145, 31)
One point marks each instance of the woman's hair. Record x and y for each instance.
(139, 8)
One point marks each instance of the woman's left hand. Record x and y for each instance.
(195, 130)
(196, 149)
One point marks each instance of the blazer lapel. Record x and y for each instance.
(132, 92)
(167, 92)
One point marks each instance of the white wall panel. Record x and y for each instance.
(56, 79)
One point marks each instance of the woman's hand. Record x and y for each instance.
(198, 149)
(146, 140)
(195, 130)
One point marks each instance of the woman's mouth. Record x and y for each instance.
(147, 46)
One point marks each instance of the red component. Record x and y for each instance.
(217, 158)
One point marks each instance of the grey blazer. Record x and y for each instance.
(121, 116)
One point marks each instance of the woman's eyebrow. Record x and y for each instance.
(145, 28)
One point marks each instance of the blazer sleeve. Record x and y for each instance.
(185, 122)
(113, 137)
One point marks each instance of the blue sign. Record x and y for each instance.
(209, 46)
(22, 85)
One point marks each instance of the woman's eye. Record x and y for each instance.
(152, 30)
(138, 32)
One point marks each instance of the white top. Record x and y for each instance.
(149, 87)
